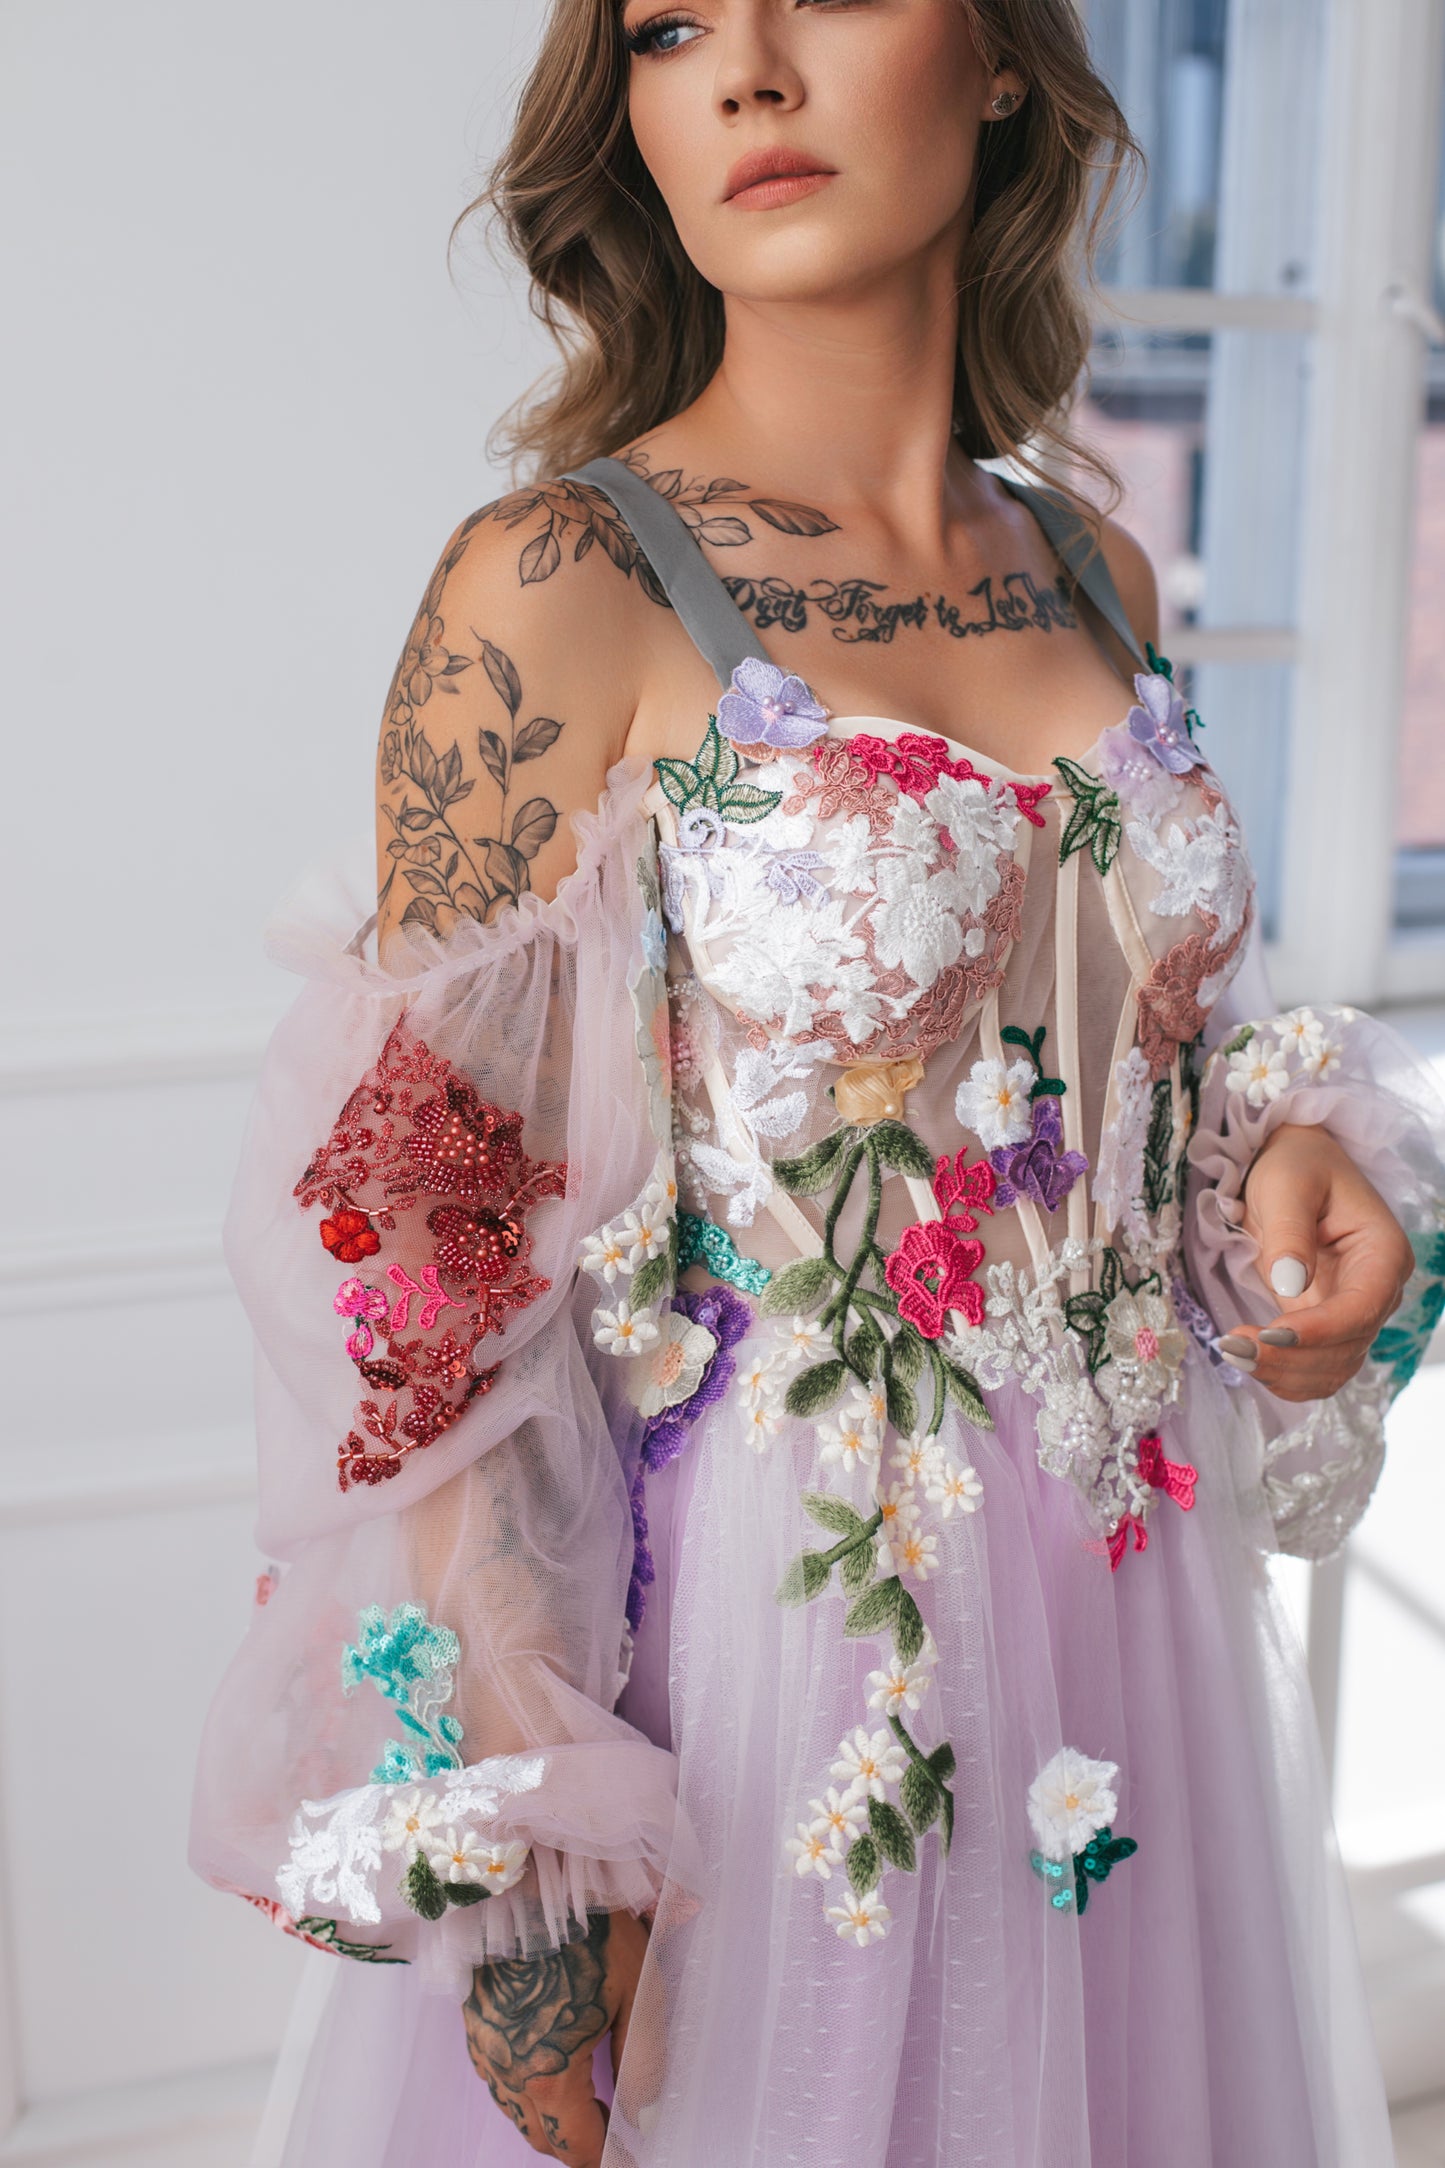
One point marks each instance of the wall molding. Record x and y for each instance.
(96, 1050)
(204, 2115)
(159, 1264)
(97, 1489)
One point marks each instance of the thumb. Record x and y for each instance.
(1284, 1196)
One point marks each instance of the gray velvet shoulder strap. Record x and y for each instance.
(716, 624)
(1076, 545)
(706, 609)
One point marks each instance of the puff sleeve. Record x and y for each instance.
(414, 1755)
(1358, 1078)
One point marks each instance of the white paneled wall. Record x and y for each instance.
(242, 404)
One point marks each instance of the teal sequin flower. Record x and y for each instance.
(1402, 1343)
(702, 1239)
(1068, 1881)
(410, 1662)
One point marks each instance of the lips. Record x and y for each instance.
(777, 164)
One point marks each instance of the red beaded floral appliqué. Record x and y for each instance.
(916, 761)
(420, 1168)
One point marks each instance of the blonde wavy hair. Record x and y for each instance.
(641, 332)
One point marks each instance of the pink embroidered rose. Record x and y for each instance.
(930, 1271)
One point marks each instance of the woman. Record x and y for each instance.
(783, 1422)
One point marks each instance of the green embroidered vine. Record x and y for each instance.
(1032, 1042)
(1088, 1313)
(1095, 823)
(1159, 1147)
(710, 781)
(1163, 667)
(328, 1931)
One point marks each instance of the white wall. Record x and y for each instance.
(242, 405)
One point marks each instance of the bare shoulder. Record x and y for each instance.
(1135, 579)
(511, 700)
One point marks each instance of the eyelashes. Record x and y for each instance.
(647, 40)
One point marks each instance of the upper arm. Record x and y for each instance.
(510, 702)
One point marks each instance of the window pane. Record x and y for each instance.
(1229, 199)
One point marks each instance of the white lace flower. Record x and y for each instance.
(861, 1919)
(780, 953)
(1073, 1426)
(1300, 1032)
(670, 1371)
(838, 1817)
(1144, 1344)
(908, 1552)
(813, 1852)
(1119, 1174)
(917, 919)
(460, 1856)
(1259, 1070)
(604, 1254)
(850, 853)
(953, 1489)
(868, 1762)
(1203, 867)
(759, 1380)
(981, 820)
(762, 1424)
(900, 1686)
(917, 1459)
(644, 1230)
(618, 1332)
(912, 829)
(1323, 1061)
(410, 1822)
(850, 1439)
(803, 1340)
(993, 1101)
(1071, 1800)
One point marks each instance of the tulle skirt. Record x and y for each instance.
(1205, 2010)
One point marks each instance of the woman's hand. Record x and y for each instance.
(533, 2022)
(1333, 1252)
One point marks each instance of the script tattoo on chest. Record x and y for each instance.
(1015, 603)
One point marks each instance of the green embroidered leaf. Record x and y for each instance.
(942, 1761)
(799, 1286)
(1031, 1042)
(1239, 1042)
(800, 1177)
(1085, 1313)
(862, 1865)
(902, 1406)
(907, 1353)
(898, 1147)
(366, 1953)
(709, 755)
(893, 1835)
(907, 1626)
(679, 782)
(745, 802)
(422, 1891)
(834, 1514)
(857, 1568)
(922, 1796)
(947, 1822)
(1095, 822)
(815, 1387)
(806, 1578)
(874, 1609)
(963, 1386)
(652, 1278)
(465, 1893)
(864, 1349)
(1158, 1144)
(1111, 1275)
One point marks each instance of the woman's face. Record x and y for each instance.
(877, 102)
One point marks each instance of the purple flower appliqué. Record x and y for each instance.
(727, 1317)
(1158, 722)
(1037, 1168)
(764, 706)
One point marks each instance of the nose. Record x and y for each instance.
(754, 66)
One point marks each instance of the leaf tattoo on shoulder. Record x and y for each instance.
(577, 516)
(449, 875)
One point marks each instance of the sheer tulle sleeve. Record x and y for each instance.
(1359, 1079)
(414, 1756)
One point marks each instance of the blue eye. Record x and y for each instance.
(658, 36)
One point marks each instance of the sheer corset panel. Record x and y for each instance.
(864, 918)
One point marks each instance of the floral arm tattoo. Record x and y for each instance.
(530, 2017)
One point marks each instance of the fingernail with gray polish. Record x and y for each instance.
(1242, 1353)
(1288, 1277)
(1280, 1336)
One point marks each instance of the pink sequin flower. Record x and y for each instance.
(931, 1273)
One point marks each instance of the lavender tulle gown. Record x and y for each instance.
(747, 1445)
